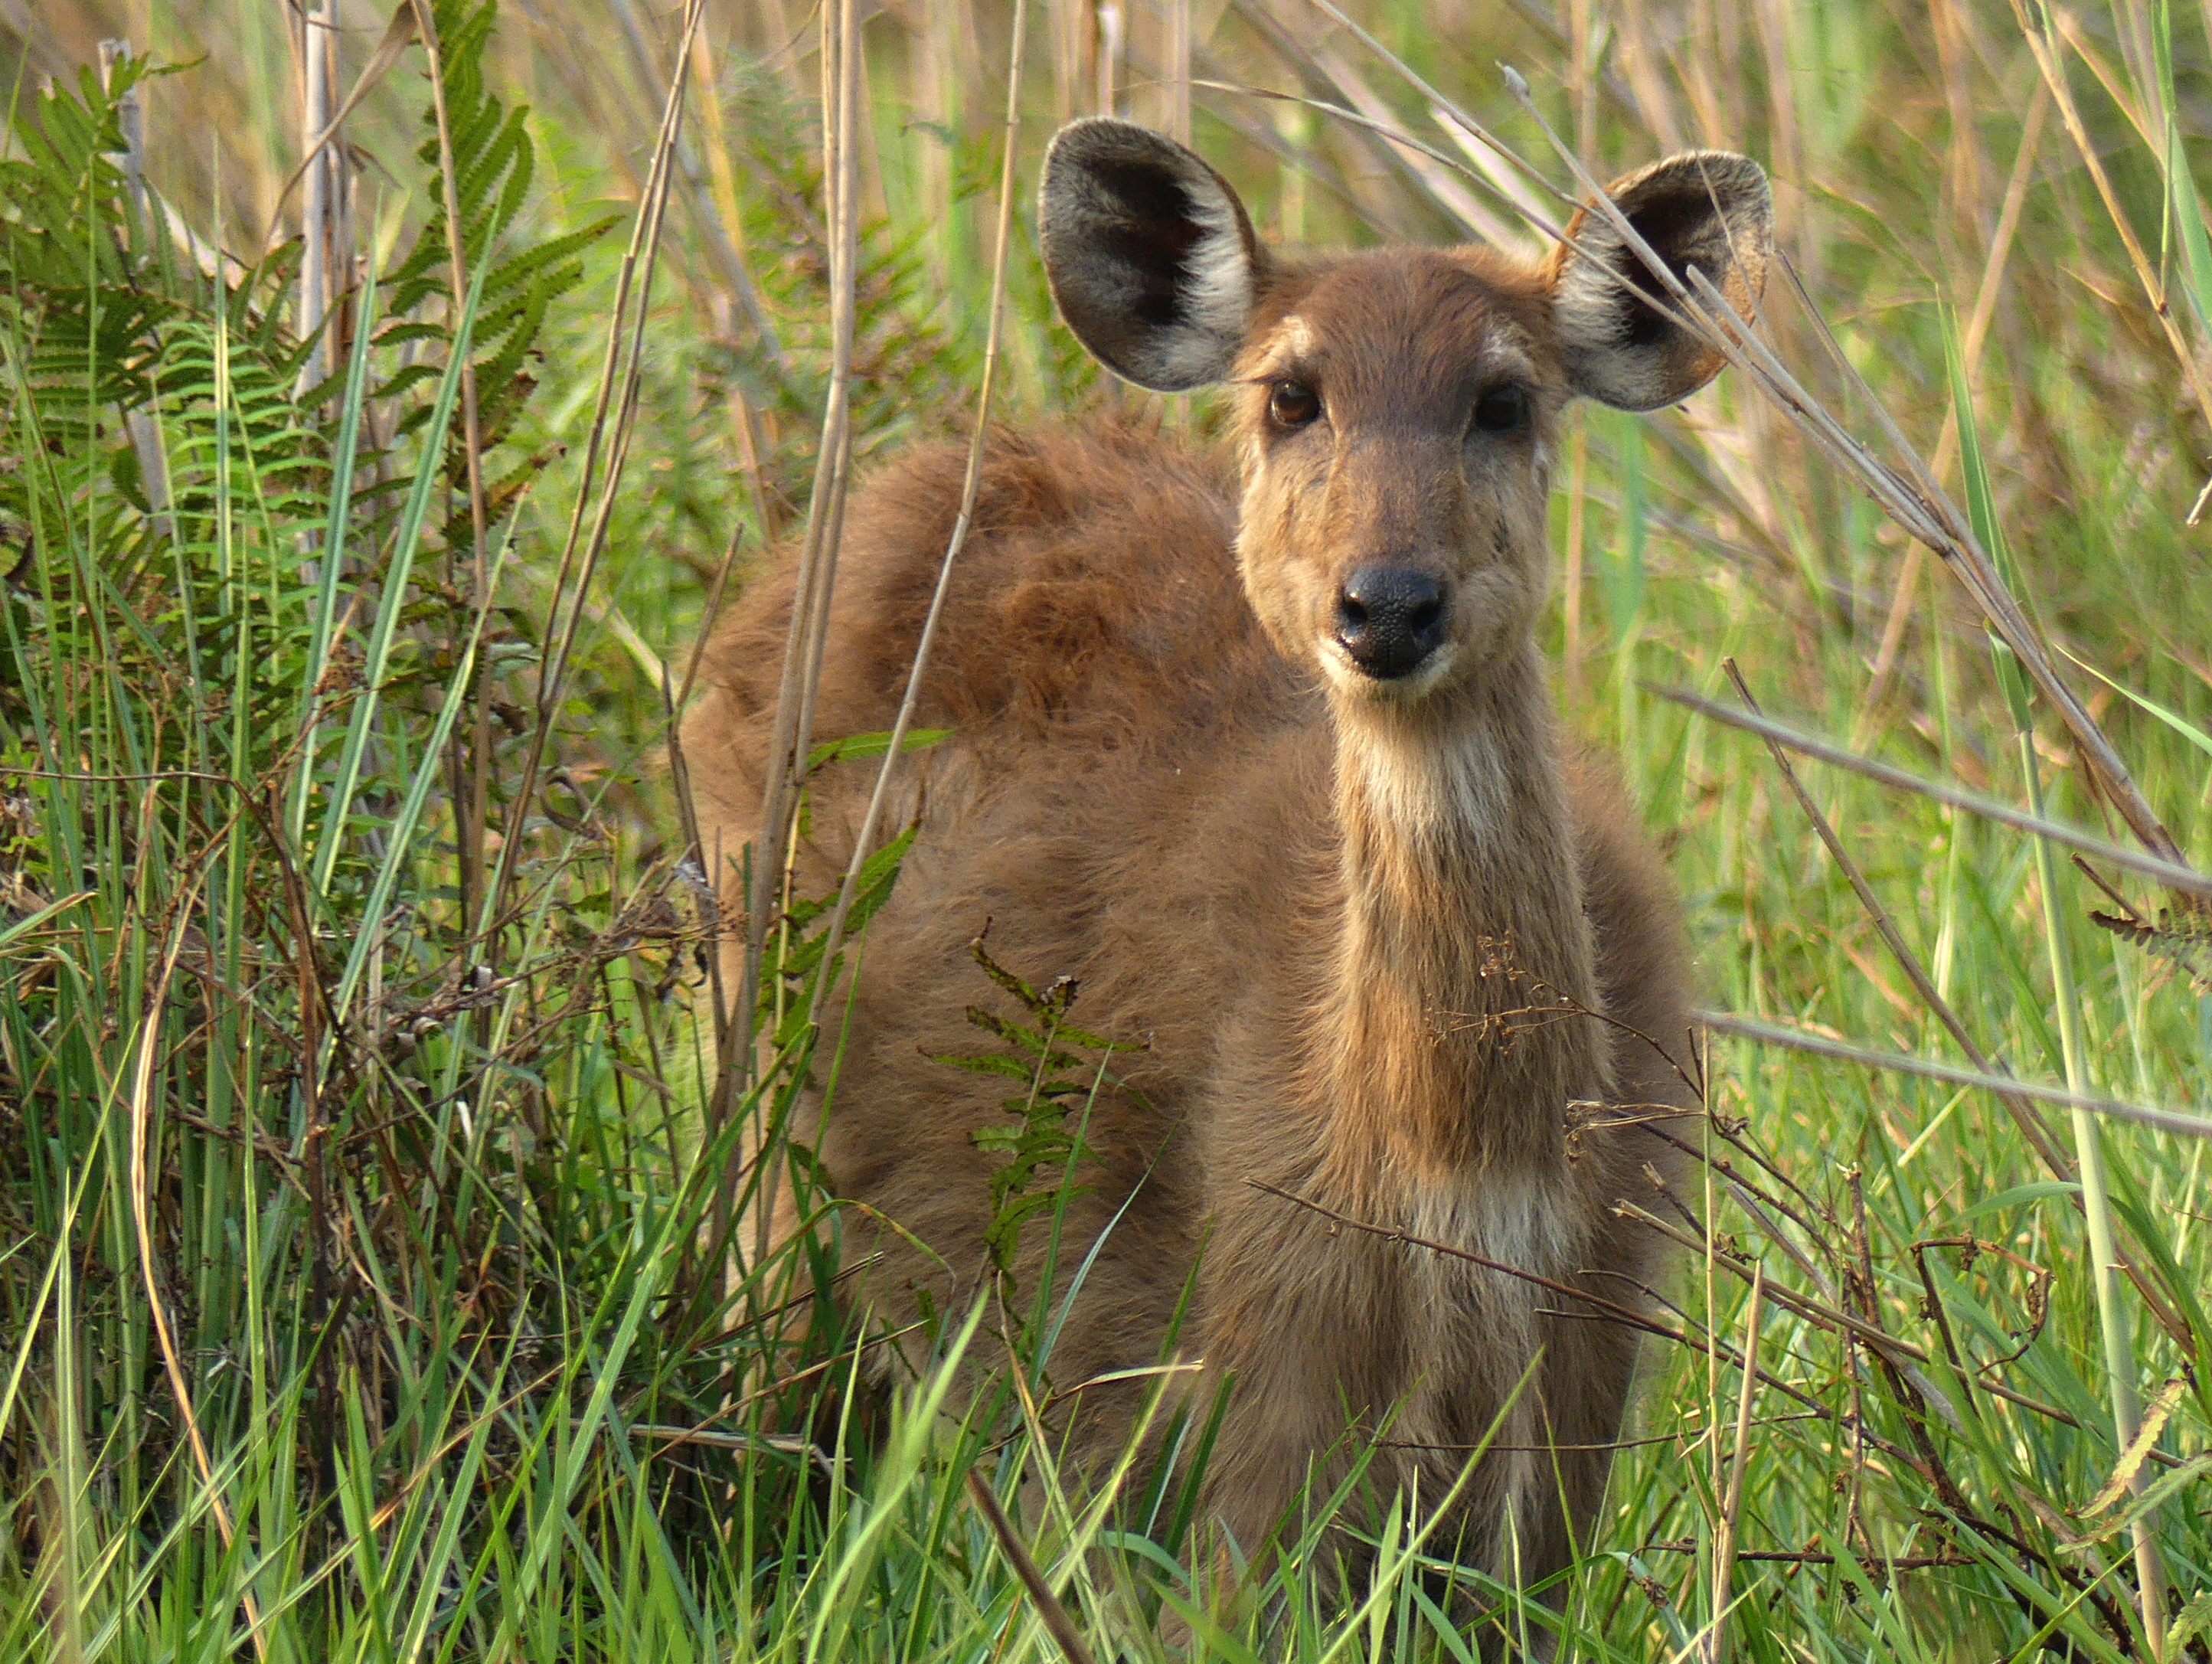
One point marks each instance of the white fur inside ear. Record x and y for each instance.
(1615, 318)
(1216, 295)
(1587, 303)
(1150, 256)
(1592, 308)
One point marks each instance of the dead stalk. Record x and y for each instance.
(791, 733)
(706, 214)
(1918, 505)
(472, 755)
(1049, 1609)
(2173, 875)
(142, 1115)
(1970, 352)
(971, 486)
(2147, 270)
(674, 699)
(318, 208)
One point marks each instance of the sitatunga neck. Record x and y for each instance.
(1449, 1038)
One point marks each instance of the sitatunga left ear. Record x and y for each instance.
(1707, 208)
(1150, 255)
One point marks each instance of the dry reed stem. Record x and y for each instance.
(971, 486)
(1924, 511)
(142, 1091)
(1419, 163)
(1970, 352)
(472, 757)
(709, 216)
(398, 35)
(845, 202)
(1049, 1609)
(1440, 105)
(815, 581)
(2172, 875)
(787, 737)
(318, 212)
(2146, 273)
(1798, 1040)
(675, 700)
(1389, 141)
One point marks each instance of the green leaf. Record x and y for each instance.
(2192, 1620)
(2188, 730)
(870, 745)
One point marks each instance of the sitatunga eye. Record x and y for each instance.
(1502, 409)
(1293, 404)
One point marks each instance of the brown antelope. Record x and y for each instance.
(1258, 747)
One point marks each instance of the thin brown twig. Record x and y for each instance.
(1724, 1553)
(1902, 1354)
(1049, 1609)
(1812, 1311)
(1602, 1310)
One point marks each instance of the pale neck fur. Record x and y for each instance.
(1457, 858)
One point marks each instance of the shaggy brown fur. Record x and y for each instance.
(1327, 903)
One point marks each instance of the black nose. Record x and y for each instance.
(1390, 618)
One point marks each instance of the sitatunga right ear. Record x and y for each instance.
(1710, 209)
(1150, 256)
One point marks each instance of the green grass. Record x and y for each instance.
(377, 1129)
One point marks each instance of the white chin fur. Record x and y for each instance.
(1347, 678)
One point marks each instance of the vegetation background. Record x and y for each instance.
(367, 1156)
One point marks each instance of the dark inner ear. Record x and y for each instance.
(1707, 208)
(1151, 257)
(1669, 225)
(1153, 235)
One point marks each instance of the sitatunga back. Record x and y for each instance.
(1257, 746)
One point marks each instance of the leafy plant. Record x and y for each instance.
(493, 166)
(1059, 1086)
